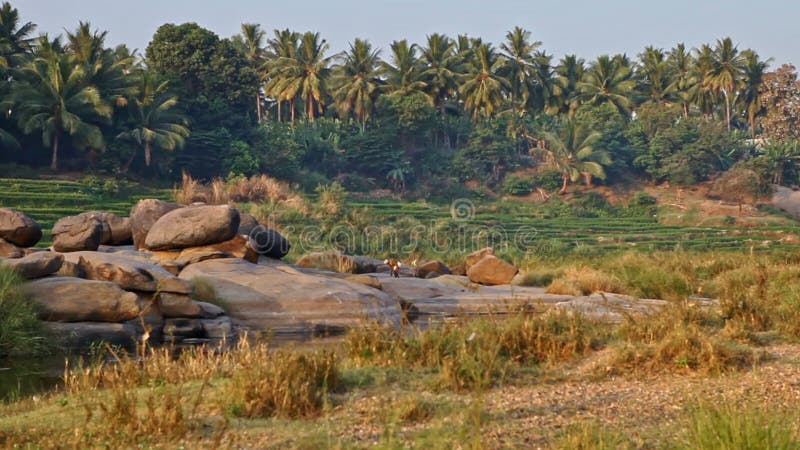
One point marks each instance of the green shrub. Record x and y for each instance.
(549, 180)
(515, 184)
(726, 426)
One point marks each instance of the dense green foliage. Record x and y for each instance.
(21, 333)
(414, 119)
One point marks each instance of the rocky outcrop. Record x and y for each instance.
(66, 299)
(269, 242)
(247, 223)
(282, 298)
(193, 226)
(116, 229)
(432, 268)
(144, 214)
(128, 273)
(35, 265)
(238, 247)
(476, 256)
(329, 260)
(492, 270)
(77, 233)
(9, 250)
(19, 229)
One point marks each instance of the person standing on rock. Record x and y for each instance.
(394, 266)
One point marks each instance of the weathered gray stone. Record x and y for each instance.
(219, 328)
(193, 226)
(178, 305)
(19, 229)
(66, 299)
(127, 272)
(77, 233)
(35, 265)
(144, 214)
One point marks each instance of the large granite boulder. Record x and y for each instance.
(9, 250)
(128, 273)
(116, 229)
(282, 298)
(238, 247)
(492, 270)
(476, 256)
(35, 265)
(144, 214)
(65, 299)
(193, 226)
(178, 305)
(329, 260)
(432, 268)
(81, 335)
(76, 233)
(247, 223)
(19, 229)
(269, 242)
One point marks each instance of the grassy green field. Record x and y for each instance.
(46, 201)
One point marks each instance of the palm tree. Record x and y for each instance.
(442, 68)
(700, 93)
(14, 40)
(482, 90)
(284, 47)
(782, 155)
(358, 81)
(253, 39)
(655, 77)
(55, 99)
(572, 151)
(753, 79)
(680, 65)
(156, 121)
(570, 72)
(518, 51)
(310, 73)
(725, 74)
(546, 90)
(404, 71)
(608, 80)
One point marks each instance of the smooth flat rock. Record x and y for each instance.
(127, 272)
(178, 305)
(19, 229)
(193, 226)
(9, 250)
(35, 265)
(66, 299)
(283, 298)
(237, 247)
(427, 268)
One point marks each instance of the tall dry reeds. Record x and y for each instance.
(257, 188)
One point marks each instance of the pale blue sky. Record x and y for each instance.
(585, 27)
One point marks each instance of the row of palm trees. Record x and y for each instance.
(485, 80)
(75, 88)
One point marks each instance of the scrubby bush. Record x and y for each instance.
(20, 331)
(516, 184)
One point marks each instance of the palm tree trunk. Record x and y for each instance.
(727, 109)
(564, 181)
(258, 106)
(310, 108)
(147, 151)
(128, 163)
(291, 106)
(685, 110)
(279, 110)
(54, 160)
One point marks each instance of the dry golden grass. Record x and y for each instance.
(258, 188)
(584, 280)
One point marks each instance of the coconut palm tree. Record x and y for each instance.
(358, 82)
(572, 150)
(570, 72)
(14, 37)
(752, 80)
(403, 71)
(283, 47)
(311, 72)
(700, 93)
(483, 87)
(253, 40)
(156, 121)
(546, 90)
(608, 80)
(54, 99)
(442, 67)
(726, 71)
(655, 77)
(680, 66)
(518, 51)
